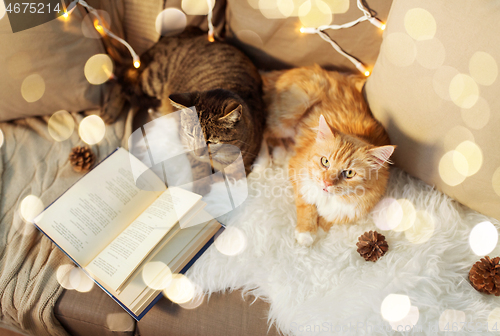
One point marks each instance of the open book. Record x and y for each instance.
(112, 229)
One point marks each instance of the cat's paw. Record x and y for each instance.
(279, 155)
(304, 238)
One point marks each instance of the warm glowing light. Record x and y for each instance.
(367, 73)
(194, 303)
(420, 24)
(33, 88)
(31, 206)
(377, 23)
(170, 21)
(156, 275)
(451, 317)
(2, 10)
(80, 281)
(472, 154)
(65, 15)
(422, 229)
(494, 319)
(211, 37)
(98, 69)
(302, 30)
(180, 290)
(231, 241)
(382, 27)
(464, 91)
(137, 64)
(98, 27)
(483, 68)
(408, 322)
(92, 129)
(483, 238)
(447, 171)
(395, 307)
(61, 125)
(409, 215)
(315, 14)
(387, 214)
(120, 322)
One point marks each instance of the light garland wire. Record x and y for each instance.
(209, 19)
(100, 26)
(367, 16)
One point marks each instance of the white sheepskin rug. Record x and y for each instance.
(329, 288)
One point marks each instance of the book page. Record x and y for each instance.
(89, 215)
(116, 263)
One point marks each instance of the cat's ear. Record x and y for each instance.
(381, 155)
(233, 116)
(182, 100)
(324, 131)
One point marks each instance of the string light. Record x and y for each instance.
(367, 16)
(209, 20)
(101, 28)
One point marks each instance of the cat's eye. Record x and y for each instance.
(325, 162)
(349, 173)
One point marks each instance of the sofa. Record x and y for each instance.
(433, 85)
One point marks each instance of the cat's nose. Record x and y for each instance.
(327, 183)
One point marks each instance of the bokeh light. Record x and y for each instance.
(387, 214)
(495, 181)
(442, 79)
(451, 317)
(2, 9)
(338, 6)
(33, 88)
(270, 10)
(1, 138)
(120, 322)
(80, 281)
(483, 238)
(156, 275)
(315, 14)
(464, 91)
(447, 171)
(63, 276)
(194, 303)
(483, 68)
(430, 53)
(180, 290)
(170, 21)
(409, 215)
(456, 136)
(420, 24)
(197, 7)
(477, 116)
(231, 241)
(494, 320)
(408, 322)
(395, 307)
(98, 69)
(61, 125)
(472, 154)
(286, 7)
(423, 228)
(399, 49)
(30, 207)
(92, 129)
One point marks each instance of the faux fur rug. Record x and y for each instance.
(329, 288)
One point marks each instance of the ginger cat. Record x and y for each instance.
(339, 167)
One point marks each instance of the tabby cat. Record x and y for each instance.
(217, 79)
(339, 167)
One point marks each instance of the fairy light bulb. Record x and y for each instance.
(308, 30)
(65, 15)
(137, 62)
(377, 23)
(360, 66)
(211, 37)
(98, 27)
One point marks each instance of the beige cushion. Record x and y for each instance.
(50, 60)
(278, 43)
(435, 87)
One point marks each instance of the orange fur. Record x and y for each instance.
(351, 139)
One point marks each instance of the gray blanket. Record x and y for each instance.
(33, 163)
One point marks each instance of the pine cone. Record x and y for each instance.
(485, 276)
(372, 245)
(81, 158)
